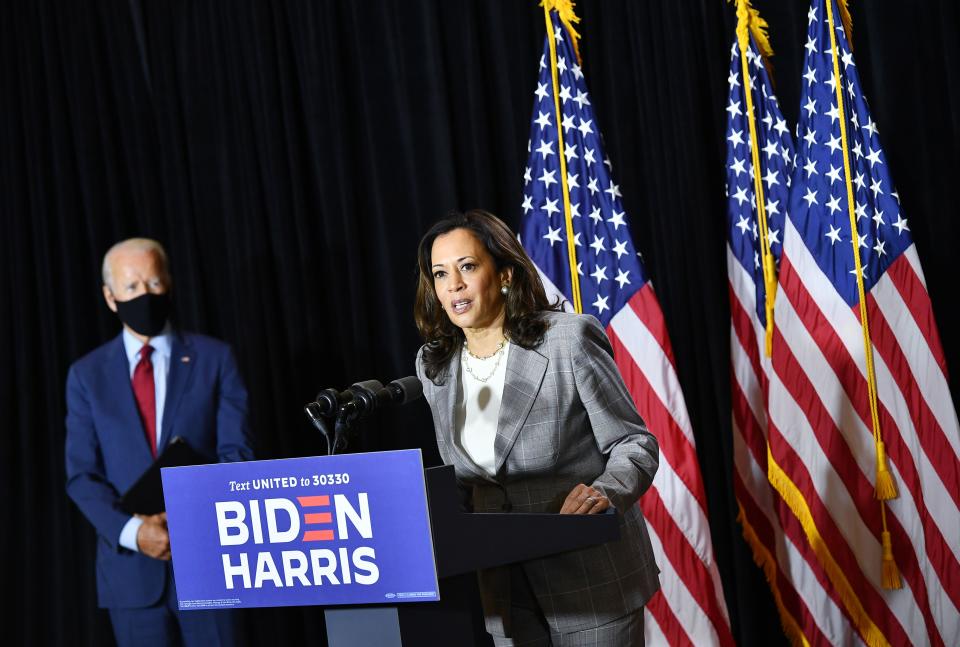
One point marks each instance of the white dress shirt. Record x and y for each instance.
(478, 406)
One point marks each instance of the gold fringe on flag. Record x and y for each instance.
(793, 497)
(751, 20)
(768, 564)
(846, 20)
(757, 25)
(564, 9)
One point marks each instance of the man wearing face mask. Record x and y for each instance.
(125, 401)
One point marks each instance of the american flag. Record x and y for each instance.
(821, 444)
(779, 545)
(614, 287)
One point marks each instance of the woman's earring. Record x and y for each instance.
(505, 289)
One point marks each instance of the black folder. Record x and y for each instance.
(146, 495)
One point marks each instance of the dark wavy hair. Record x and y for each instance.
(523, 325)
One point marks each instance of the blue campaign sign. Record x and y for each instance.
(325, 530)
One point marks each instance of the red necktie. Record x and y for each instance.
(143, 390)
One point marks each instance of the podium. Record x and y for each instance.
(463, 542)
(382, 545)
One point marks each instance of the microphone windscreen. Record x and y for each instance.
(410, 388)
(369, 387)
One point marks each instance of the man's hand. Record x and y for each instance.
(584, 499)
(152, 537)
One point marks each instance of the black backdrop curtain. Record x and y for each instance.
(289, 154)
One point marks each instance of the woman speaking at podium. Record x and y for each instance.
(529, 407)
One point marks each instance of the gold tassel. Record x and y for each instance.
(885, 489)
(891, 574)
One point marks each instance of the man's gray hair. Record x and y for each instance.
(134, 244)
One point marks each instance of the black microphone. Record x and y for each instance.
(328, 402)
(366, 399)
(404, 390)
(363, 400)
(327, 405)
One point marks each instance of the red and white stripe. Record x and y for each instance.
(690, 608)
(807, 606)
(820, 436)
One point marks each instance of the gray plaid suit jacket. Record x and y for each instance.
(566, 417)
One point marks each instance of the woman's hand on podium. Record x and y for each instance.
(584, 499)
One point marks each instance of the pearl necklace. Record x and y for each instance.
(465, 360)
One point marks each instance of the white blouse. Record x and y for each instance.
(478, 406)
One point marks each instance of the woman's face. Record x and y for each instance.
(466, 280)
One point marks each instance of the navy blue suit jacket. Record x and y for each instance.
(107, 450)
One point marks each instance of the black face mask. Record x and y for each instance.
(146, 314)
